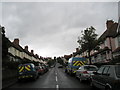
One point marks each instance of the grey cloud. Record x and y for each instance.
(55, 26)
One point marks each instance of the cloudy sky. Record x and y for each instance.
(52, 28)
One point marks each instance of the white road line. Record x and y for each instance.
(56, 79)
(57, 86)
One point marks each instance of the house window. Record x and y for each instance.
(103, 56)
(105, 42)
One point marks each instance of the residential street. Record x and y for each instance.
(60, 45)
(54, 78)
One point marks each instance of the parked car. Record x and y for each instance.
(85, 72)
(45, 68)
(107, 77)
(40, 70)
(26, 71)
(60, 66)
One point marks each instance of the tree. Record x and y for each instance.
(5, 43)
(88, 41)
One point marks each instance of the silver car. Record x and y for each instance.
(85, 72)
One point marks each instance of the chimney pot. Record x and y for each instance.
(26, 48)
(16, 41)
(32, 51)
(109, 23)
(77, 49)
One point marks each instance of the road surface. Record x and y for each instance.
(55, 78)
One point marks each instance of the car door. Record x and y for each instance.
(80, 71)
(105, 76)
(96, 78)
(111, 77)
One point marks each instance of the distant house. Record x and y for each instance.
(12, 51)
(107, 44)
(35, 57)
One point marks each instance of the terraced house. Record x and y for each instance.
(108, 44)
(18, 54)
(15, 51)
(116, 52)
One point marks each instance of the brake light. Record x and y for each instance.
(85, 72)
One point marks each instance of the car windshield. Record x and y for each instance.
(117, 68)
(90, 68)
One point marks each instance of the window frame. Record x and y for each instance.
(107, 73)
(102, 70)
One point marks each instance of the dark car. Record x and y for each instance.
(27, 71)
(107, 77)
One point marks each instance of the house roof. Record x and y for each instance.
(18, 47)
(116, 50)
(28, 52)
(12, 44)
(111, 32)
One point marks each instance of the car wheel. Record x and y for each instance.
(108, 88)
(19, 80)
(34, 78)
(76, 75)
(92, 85)
(38, 76)
(80, 80)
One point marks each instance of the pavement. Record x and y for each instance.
(55, 78)
(9, 83)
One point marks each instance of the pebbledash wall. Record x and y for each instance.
(17, 53)
(109, 43)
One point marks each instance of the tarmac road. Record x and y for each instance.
(55, 78)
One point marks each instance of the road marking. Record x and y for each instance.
(56, 74)
(57, 86)
(56, 79)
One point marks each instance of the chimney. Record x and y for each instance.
(26, 48)
(32, 51)
(77, 49)
(16, 41)
(37, 55)
(109, 23)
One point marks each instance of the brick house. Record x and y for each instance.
(116, 52)
(107, 44)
